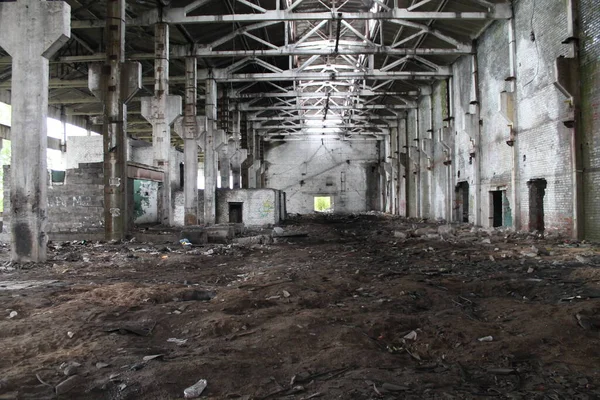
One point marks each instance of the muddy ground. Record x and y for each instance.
(354, 310)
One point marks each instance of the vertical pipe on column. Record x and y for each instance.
(477, 127)
(210, 156)
(514, 179)
(418, 146)
(190, 148)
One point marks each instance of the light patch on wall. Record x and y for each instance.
(323, 204)
(5, 111)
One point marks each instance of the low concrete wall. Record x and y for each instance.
(260, 207)
(75, 207)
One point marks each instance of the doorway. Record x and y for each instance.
(462, 201)
(497, 217)
(236, 213)
(537, 190)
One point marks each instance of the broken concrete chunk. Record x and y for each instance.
(390, 387)
(424, 232)
(195, 390)
(400, 234)
(67, 385)
(446, 230)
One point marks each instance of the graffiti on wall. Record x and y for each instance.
(266, 208)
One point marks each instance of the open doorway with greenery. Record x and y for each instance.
(323, 204)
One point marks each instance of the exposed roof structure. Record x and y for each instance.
(297, 67)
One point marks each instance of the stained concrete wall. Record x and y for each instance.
(340, 169)
(89, 149)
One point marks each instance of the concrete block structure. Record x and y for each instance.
(475, 111)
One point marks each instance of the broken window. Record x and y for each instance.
(323, 204)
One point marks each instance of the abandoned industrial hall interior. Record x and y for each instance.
(300, 199)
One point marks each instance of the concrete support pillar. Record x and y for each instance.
(210, 156)
(225, 167)
(161, 111)
(189, 127)
(31, 31)
(236, 158)
(115, 83)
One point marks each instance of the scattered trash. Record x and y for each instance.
(277, 231)
(69, 368)
(140, 329)
(186, 244)
(12, 314)
(286, 294)
(179, 342)
(154, 356)
(70, 334)
(411, 336)
(589, 323)
(195, 390)
(101, 365)
(486, 339)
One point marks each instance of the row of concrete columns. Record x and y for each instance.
(114, 83)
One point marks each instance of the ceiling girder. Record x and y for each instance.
(180, 16)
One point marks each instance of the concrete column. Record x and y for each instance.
(238, 155)
(210, 156)
(31, 31)
(225, 167)
(115, 83)
(161, 111)
(189, 128)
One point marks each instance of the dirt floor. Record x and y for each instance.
(364, 307)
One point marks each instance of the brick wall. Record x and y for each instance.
(542, 142)
(76, 207)
(590, 126)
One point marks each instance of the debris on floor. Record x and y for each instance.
(332, 307)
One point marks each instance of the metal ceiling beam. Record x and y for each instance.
(330, 126)
(317, 95)
(179, 16)
(289, 75)
(284, 51)
(333, 108)
(320, 118)
(359, 49)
